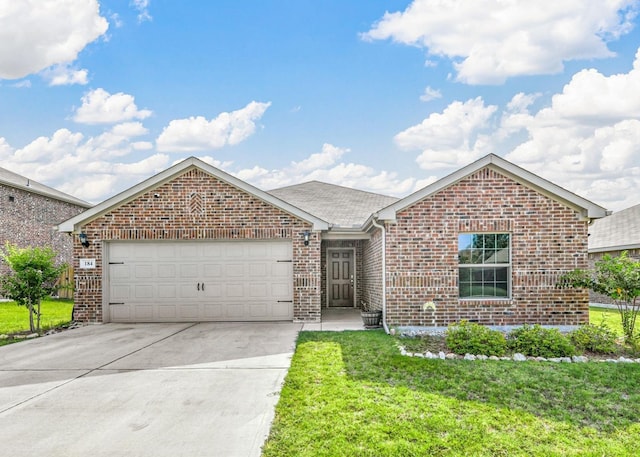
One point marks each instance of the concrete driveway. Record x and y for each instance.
(205, 389)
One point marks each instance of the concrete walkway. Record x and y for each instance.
(206, 389)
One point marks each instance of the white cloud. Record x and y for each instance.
(64, 75)
(36, 34)
(452, 138)
(430, 94)
(100, 107)
(198, 133)
(324, 166)
(142, 6)
(491, 40)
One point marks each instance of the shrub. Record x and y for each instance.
(594, 338)
(470, 338)
(537, 341)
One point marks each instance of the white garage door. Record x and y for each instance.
(200, 281)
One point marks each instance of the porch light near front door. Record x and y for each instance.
(306, 237)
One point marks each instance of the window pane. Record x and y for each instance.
(484, 253)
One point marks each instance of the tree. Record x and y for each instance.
(33, 276)
(618, 278)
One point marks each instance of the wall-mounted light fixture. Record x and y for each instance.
(83, 240)
(306, 235)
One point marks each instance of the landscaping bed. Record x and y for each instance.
(354, 394)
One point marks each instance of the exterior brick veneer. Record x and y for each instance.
(547, 240)
(197, 206)
(29, 220)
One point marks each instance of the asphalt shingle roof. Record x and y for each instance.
(338, 205)
(12, 179)
(620, 230)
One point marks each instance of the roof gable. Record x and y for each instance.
(585, 207)
(169, 174)
(17, 181)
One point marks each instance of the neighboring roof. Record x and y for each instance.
(617, 232)
(17, 181)
(167, 175)
(587, 208)
(340, 206)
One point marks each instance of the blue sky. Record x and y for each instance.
(385, 96)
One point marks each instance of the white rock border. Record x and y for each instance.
(517, 357)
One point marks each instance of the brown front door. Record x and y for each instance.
(341, 277)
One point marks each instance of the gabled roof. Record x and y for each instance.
(618, 232)
(340, 206)
(585, 207)
(17, 181)
(167, 175)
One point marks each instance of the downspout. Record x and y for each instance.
(384, 274)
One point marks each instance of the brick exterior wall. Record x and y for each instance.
(197, 206)
(547, 240)
(593, 258)
(29, 220)
(372, 274)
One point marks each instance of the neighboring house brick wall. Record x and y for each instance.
(197, 206)
(372, 260)
(593, 258)
(29, 220)
(547, 240)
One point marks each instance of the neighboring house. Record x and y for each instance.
(612, 235)
(193, 243)
(30, 212)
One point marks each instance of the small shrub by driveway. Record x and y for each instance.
(353, 394)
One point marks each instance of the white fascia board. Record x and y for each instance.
(626, 247)
(167, 175)
(585, 207)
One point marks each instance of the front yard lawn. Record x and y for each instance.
(610, 317)
(15, 319)
(353, 394)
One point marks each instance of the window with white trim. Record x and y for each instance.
(484, 265)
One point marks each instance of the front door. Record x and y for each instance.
(341, 277)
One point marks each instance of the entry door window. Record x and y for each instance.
(341, 277)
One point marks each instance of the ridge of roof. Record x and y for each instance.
(18, 181)
(342, 206)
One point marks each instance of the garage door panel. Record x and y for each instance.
(167, 311)
(200, 281)
(213, 311)
(167, 291)
(143, 313)
(189, 270)
(144, 271)
(212, 270)
(166, 271)
(143, 291)
(234, 291)
(120, 313)
(234, 270)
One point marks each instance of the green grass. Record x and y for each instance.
(353, 394)
(610, 317)
(14, 318)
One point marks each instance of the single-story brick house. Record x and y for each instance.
(613, 235)
(30, 212)
(193, 243)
